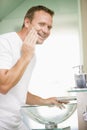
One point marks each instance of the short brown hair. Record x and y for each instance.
(32, 10)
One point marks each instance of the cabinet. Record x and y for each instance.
(81, 106)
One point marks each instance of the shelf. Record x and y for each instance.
(78, 90)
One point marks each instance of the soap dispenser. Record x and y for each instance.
(80, 77)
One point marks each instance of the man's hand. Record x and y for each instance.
(36, 100)
(29, 44)
(54, 101)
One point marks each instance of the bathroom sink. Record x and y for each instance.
(50, 114)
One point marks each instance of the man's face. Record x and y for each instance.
(42, 22)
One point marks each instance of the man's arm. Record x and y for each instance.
(9, 78)
(36, 100)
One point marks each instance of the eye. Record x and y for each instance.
(41, 24)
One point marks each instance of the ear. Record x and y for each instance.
(26, 22)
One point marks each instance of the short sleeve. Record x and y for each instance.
(5, 54)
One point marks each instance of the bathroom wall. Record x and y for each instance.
(83, 27)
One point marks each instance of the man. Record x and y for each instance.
(17, 60)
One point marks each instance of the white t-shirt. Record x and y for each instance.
(10, 103)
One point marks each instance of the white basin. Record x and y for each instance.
(49, 114)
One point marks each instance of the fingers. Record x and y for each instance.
(54, 102)
(59, 104)
(31, 37)
(28, 47)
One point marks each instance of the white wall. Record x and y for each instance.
(83, 26)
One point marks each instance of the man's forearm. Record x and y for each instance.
(34, 100)
(11, 77)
